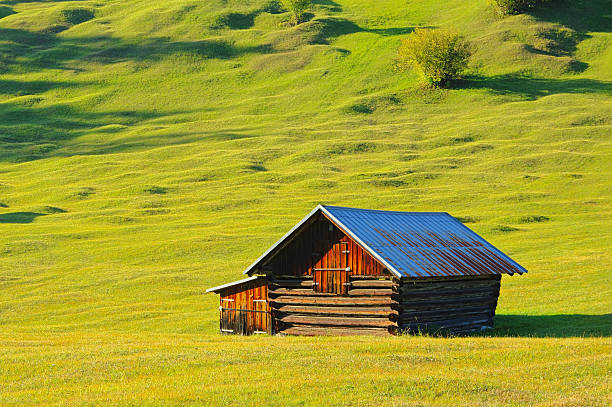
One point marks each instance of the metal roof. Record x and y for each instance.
(233, 283)
(413, 244)
(422, 244)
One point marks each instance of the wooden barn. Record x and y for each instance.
(348, 271)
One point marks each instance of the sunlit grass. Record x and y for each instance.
(148, 153)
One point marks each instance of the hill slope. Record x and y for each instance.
(149, 150)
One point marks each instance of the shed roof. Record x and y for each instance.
(233, 283)
(411, 244)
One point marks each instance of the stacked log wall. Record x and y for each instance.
(370, 308)
(455, 305)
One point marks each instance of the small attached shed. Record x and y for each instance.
(348, 271)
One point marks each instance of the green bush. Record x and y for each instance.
(297, 8)
(234, 20)
(439, 55)
(517, 6)
(76, 16)
(272, 7)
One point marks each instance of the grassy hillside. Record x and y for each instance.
(149, 150)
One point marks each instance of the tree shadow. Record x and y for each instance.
(158, 48)
(6, 11)
(30, 129)
(552, 326)
(530, 88)
(322, 30)
(13, 88)
(579, 15)
(29, 132)
(15, 2)
(26, 51)
(389, 32)
(329, 5)
(20, 217)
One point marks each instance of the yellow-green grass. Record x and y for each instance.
(149, 150)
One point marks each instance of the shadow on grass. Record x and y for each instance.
(329, 5)
(6, 11)
(20, 217)
(579, 15)
(23, 88)
(552, 326)
(530, 88)
(30, 129)
(332, 27)
(389, 32)
(26, 51)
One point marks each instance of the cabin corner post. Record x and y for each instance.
(496, 293)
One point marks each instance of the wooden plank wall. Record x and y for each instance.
(246, 296)
(313, 248)
(454, 305)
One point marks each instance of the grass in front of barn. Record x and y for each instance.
(150, 150)
(120, 369)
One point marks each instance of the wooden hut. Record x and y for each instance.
(347, 271)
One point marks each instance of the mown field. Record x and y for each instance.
(150, 150)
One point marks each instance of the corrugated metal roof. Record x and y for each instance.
(413, 244)
(422, 244)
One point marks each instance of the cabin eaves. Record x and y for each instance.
(233, 283)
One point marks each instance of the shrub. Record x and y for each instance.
(517, 6)
(76, 16)
(272, 7)
(233, 20)
(297, 8)
(440, 56)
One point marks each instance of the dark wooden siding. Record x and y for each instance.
(245, 309)
(456, 305)
(314, 248)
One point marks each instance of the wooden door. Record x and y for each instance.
(245, 321)
(331, 274)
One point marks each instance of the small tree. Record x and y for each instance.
(517, 6)
(439, 55)
(297, 8)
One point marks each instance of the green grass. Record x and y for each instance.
(149, 150)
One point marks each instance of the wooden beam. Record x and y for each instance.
(448, 324)
(361, 311)
(363, 277)
(292, 283)
(373, 284)
(445, 301)
(338, 321)
(299, 291)
(316, 331)
(335, 300)
(370, 292)
(449, 293)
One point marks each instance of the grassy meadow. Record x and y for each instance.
(152, 149)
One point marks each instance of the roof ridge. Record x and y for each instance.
(386, 211)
